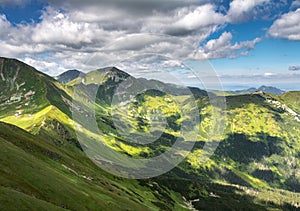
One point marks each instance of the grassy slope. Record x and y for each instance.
(19, 200)
(292, 99)
(36, 173)
(23, 88)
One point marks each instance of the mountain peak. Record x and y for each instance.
(271, 89)
(69, 75)
(114, 71)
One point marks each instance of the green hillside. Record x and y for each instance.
(37, 174)
(292, 99)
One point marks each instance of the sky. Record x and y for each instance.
(244, 43)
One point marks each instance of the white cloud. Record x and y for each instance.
(223, 41)
(223, 47)
(201, 16)
(269, 74)
(5, 27)
(241, 10)
(60, 28)
(287, 26)
(11, 50)
(50, 68)
(295, 4)
(194, 23)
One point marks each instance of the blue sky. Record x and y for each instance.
(247, 43)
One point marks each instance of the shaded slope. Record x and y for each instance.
(68, 76)
(36, 172)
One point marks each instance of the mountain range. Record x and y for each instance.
(44, 162)
(266, 89)
(70, 75)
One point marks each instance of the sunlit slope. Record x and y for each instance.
(34, 101)
(292, 99)
(260, 146)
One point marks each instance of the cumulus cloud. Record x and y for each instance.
(223, 47)
(241, 10)
(60, 29)
(287, 26)
(197, 18)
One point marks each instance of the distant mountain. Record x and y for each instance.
(266, 89)
(271, 90)
(68, 76)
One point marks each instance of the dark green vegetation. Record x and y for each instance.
(43, 167)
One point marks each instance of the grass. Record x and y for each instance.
(14, 200)
(292, 99)
(29, 122)
(254, 182)
(30, 167)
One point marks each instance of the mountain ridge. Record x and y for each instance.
(263, 88)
